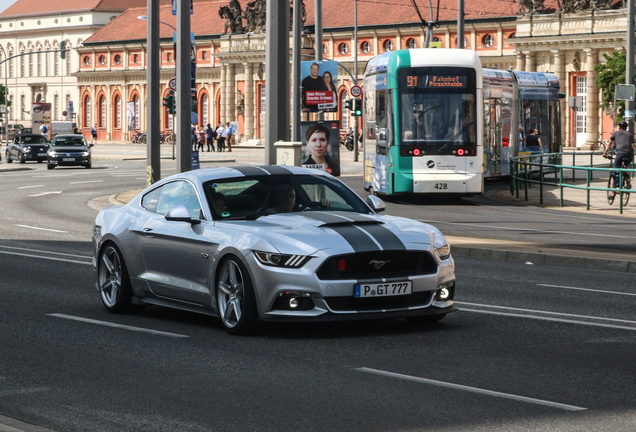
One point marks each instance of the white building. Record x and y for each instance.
(34, 26)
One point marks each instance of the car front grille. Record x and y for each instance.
(377, 265)
(351, 303)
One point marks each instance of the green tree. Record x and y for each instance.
(609, 74)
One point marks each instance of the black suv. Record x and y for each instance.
(28, 147)
(67, 150)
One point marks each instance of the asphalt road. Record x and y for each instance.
(532, 348)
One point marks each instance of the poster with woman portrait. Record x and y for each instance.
(321, 148)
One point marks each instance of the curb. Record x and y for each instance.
(8, 424)
(543, 259)
(15, 169)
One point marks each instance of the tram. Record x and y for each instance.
(436, 122)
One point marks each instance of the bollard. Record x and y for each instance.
(525, 179)
(587, 189)
(541, 181)
(561, 184)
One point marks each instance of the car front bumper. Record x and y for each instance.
(66, 161)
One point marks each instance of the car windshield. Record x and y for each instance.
(37, 139)
(253, 197)
(69, 141)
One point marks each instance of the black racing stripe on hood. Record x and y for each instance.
(250, 171)
(340, 218)
(274, 169)
(359, 241)
(384, 236)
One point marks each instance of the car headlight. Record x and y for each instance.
(27, 150)
(443, 252)
(281, 260)
(52, 153)
(85, 153)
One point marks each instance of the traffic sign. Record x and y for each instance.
(356, 91)
(64, 113)
(172, 84)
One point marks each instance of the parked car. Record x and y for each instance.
(27, 148)
(69, 150)
(269, 243)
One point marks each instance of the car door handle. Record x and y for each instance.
(148, 232)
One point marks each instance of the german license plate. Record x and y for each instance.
(68, 159)
(383, 289)
(41, 154)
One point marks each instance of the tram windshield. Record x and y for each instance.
(438, 109)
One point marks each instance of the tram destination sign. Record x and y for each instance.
(437, 81)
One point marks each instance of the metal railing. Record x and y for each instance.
(547, 169)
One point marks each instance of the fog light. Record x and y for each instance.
(293, 303)
(444, 294)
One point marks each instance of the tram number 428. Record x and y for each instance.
(441, 186)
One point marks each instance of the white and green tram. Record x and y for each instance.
(435, 122)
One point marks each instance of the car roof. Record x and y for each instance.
(207, 174)
(68, 135)
(31, 135)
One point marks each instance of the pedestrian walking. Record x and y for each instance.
(221, 133)
(44, 129)
(201, 139)
(209, 136)
(229, 134)
(193, 136)
(94, 134)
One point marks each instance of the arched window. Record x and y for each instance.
(365, 47)
(343, 48)
(205, 109)
(68, 59)
(57, 66)
(117, 112)
(30, 63)
(388, 45)
(39, 59)
(411, 43)
(22, 68)
(137, 112)
(87, 112)
(10, 65)
(102, 110)
(487, 41)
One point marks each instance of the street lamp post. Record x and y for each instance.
(6, 99)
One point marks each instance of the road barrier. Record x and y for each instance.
(547, 169)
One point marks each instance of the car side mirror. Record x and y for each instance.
(376, 204)
(91, 145)
(180, 213)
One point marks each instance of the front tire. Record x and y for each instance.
(22, 159)
(8, 157)
(113, 281)
(235, 298)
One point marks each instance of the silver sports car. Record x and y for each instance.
(269, 243)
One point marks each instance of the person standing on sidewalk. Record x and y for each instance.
(94, 134)
(209, 136)
(221, 133)
(230, 133)
(193, 136)
(201, 139)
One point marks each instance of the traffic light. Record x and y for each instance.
(349, 104)
(170, 103)
(357, 107)
(62, 50)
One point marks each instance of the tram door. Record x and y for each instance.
(494, 138)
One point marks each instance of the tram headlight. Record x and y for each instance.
(460, 152)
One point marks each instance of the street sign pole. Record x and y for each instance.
(184, 98)
(629, 71)
(153, 110)
(355, 74)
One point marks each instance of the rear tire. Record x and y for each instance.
(235, 298)
(113, 281)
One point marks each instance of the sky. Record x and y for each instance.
(5, 4)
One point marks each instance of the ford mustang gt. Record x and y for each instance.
(270, 243)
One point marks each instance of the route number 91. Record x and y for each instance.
(441, 186)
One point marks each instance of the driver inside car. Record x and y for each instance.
(284, 200)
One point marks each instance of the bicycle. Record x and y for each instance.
(625, 181)
(599, 144)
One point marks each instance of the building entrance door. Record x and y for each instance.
(581, 113)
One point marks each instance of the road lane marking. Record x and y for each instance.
(87, 181)
(587, 289)
(120, 326)
(46, 258)
(47, 252)
(29, 187)
(56, 176)
(42, 229)
(45, 193)
(525, 229)
(472, 389)
(546, 318)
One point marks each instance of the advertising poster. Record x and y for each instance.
(321, 148)
(320, 84)
(130, 116)
(41, 115)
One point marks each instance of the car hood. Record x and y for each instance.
(341, 232)
(69, 149)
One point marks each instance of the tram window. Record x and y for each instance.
(535, 115)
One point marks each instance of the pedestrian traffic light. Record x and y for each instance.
(349, 104)
(62, 50)
(357, 107)
(170, 103)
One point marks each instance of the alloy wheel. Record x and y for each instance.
(110, 276)
(231, 294)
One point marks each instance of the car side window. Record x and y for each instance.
(179, 192)
(149, 201)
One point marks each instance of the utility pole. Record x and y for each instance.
(355, 74)
(296, 55)
(153, 108)
(184, 98)
(320, 116)
(629, 71)
(276, 76)
(460, 24)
